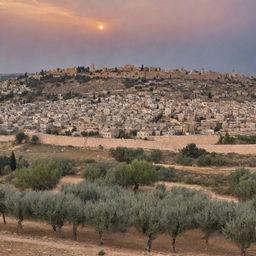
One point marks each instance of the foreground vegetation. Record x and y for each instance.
(114, 209)
(112, 200)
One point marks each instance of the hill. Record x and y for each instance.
(149, 100)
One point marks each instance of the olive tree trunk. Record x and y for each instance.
(149, 244)
(4, 220)
(74, 231)
(101, 238)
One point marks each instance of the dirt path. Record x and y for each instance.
(52, 244)
(205, 170)
(62, 247)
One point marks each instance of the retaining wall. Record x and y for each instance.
(173, 143)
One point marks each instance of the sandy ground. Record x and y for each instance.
(39, 239)
(204, 170)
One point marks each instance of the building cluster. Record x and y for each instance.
(147, 114)
(146, 101)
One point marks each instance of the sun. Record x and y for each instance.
(101, 27)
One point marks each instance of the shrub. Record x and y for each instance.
(204, 161)
(168, 174)
(227, 139)
(191, 150)
(127, 155)
(242, 184)
(68, 133)
(89, 161)
(101, 252)
(22, 163)
(182, 160)
(42, 176)
(156, 155)
(34, 139)
(52, 130)
(4, 161)
(64, 165)
(20, 137)
(123, 135)
(97, 171)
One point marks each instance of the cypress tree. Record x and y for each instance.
(13, 161)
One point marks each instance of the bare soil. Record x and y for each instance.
(39, 239)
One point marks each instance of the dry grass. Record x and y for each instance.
(33, 152)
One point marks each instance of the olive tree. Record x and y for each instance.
(214, 217)
(97, 171)
(148, 216)
(77, 213)
(4, 190)
(84, 190)
(51, 207)
(180, 210)
(242, 227)
(112, 213)
(139, 172)
(14, 206)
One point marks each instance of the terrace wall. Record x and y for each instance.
(172, 143)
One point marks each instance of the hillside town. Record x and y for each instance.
(140, 101)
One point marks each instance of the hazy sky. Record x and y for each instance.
(44, 34)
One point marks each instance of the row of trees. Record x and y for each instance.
(113, 209)
(240, 183)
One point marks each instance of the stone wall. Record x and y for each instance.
(173, 143)
(8, 138)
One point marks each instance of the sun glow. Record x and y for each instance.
(101, 27)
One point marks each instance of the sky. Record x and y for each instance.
(215, 35)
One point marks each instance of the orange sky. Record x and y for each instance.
(49, 33)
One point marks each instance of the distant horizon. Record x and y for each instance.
(195, 34)
(136, 65)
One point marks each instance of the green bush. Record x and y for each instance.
(139, 172)
(20, 137)
(89, 161)
(64, 165)
(227, 139)
(242, 184)
(182, 160)
(42, 176)
(34, 139)
(127, 155)
(156, 155)
(191, 150)
(4, 161)
(97, 171)
(208, 160)
(168, 174)
(204, 161)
